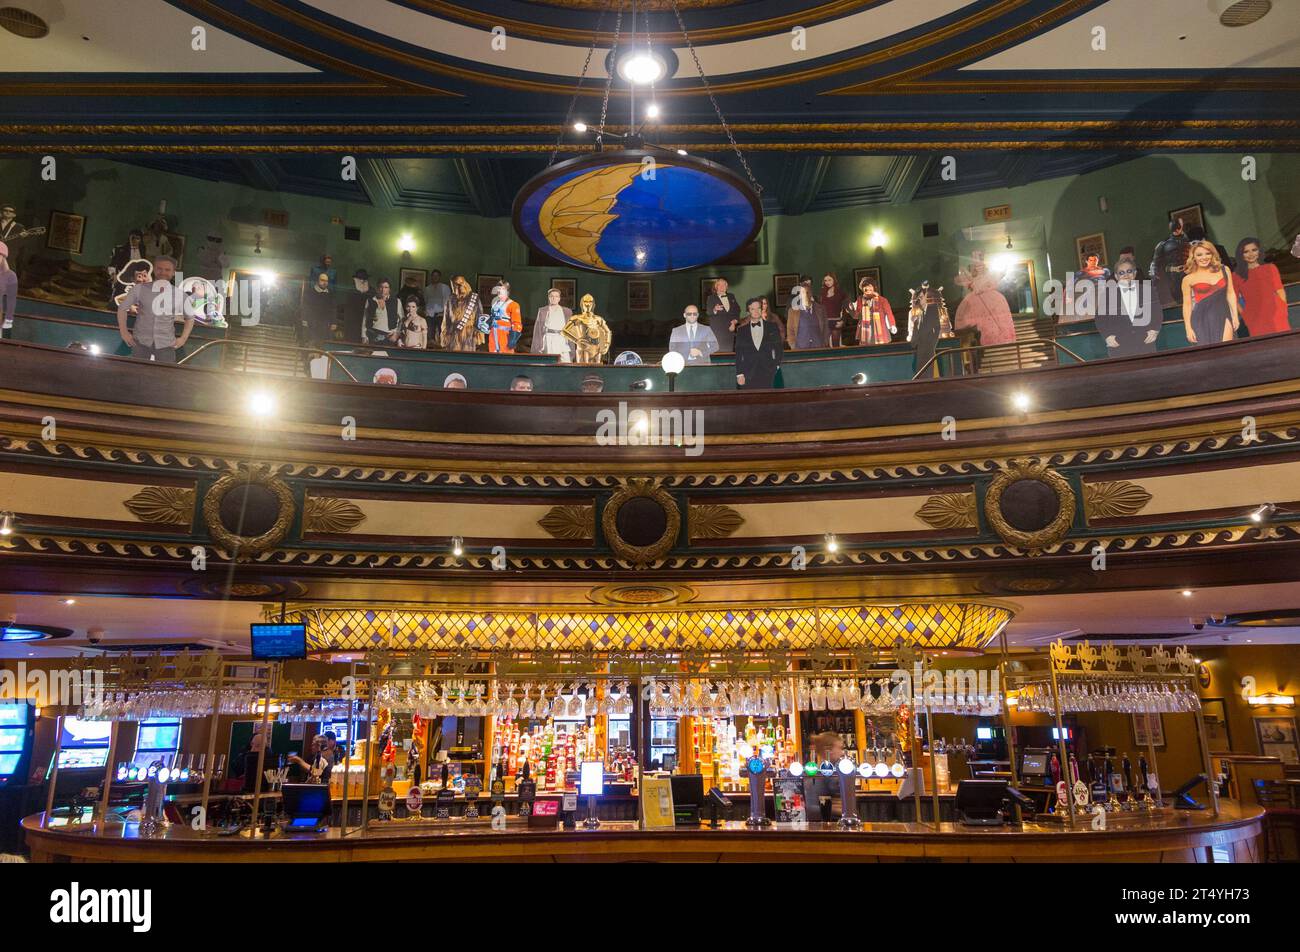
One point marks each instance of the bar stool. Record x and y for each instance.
(1279, 812)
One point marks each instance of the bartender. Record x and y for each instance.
(819, 790)
(318, 770)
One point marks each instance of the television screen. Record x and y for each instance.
(86, 757)
(13, 715)
(279, 642)
(983, 733)
(159, 735)
(8, 764)
(1033, 765)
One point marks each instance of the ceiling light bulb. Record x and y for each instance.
(832, 544)
(1263, 513)
(579, 127)
(1020, 400)
(457, 546)
(641, 68)
(652, 111)
(6, 525)
(681, 151)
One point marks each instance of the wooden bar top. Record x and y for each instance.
(1170, 836)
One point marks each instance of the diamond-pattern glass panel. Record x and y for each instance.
(929, 625)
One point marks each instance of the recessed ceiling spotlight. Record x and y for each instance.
(579, 127)
(1021, 401)
(642, 67)
(69, 601)
(1187, 593)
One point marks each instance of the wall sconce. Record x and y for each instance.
(877, 238)
(1103, 204)
(406, 244)
(1271, 700)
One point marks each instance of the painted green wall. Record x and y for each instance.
(114, 196)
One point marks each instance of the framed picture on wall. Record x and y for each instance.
(66, 232)
(568, 288)
(1214, 712)
(1148, 729)
(782, 287)
(486, 282)
(1087, 245)
(421, 277)
(1277, 738)
(639, 295)
(873, 274)
(1193, 216)
(177, 241)
(706, 288)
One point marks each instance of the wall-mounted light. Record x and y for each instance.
(1021, 402)
(579, 127)
(1103, 204)
(877, 238)
(1263, 513)
(1271, 700)
(859, 379)
(406, 244)
(457, 546)
(7, 524)
(261, 404)
(832, 543)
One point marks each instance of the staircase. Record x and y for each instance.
(259, 349)
(1034, 335)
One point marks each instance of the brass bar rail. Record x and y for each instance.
(281, 347)
(948, 352)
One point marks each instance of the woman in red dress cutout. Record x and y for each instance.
(1260, 285)
(1209, 299)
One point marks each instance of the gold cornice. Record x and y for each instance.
(500, 129)
(163, 505)
(274, 428)
(479, 147)
(949, 511)
(937, 554)
(1094, 84)
(1132, 446)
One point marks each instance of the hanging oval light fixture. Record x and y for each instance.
(640, 208)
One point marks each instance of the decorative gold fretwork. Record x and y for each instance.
(163, 505)
(1112, 499)
(713, 522)
(949, 511)
(330, 514)
(570, 522)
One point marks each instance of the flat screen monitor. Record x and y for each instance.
(669, 762)
(84, 743)
(688, 789)
(592, 779)
(278, 642)
(1056, 733)
(8, 763)
(1033, 765)
(983, 733)
(306, 804)
(980, 798)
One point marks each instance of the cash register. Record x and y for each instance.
(306, 807)
(1035, 767)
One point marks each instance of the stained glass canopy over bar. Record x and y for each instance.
(930, 626)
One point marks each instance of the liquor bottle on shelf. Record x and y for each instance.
(1126, 766)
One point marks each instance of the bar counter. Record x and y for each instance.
(1168, 837)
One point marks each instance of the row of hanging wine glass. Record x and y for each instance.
(197, 702)
(725, 698)
(1124, 697)
(507, 698)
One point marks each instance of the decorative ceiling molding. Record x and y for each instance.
(1109, 500)
(950, 511)
(164, 505)
(330, 515)
(384, 183)
(570, 522)
(712, 522)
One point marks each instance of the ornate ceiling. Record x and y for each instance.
(825, 76)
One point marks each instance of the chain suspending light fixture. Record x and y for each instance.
(640, 208)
